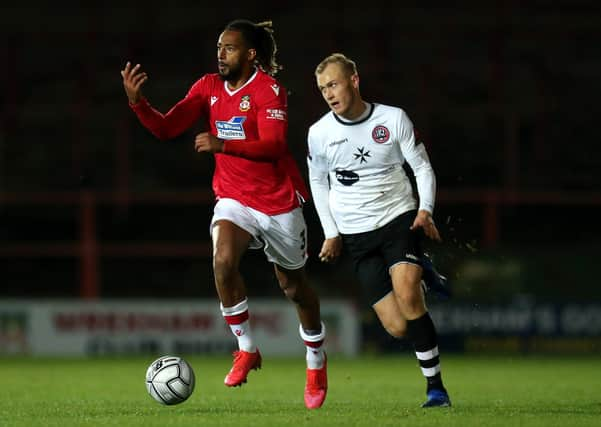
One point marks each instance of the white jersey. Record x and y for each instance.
(356, 170)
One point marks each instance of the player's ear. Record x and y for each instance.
(252, 54)
(355, 80)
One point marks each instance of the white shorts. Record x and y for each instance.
(283, 237)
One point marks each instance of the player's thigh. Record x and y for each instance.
(233, 212)
(285, 238)
(369, 266)
(403, 252)
(402, 245)
(406, 282)
(388, 311)
(229, 243)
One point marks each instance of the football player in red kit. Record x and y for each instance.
(257, 184)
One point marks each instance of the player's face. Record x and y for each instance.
(233, 57)
(340, 91)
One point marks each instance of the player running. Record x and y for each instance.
(365, 201)
(258, 187)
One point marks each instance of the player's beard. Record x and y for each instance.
(232, 73)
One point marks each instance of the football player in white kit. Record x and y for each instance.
(365, 202)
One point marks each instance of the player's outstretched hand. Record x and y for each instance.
(331, 249)
(133, 79)
(207, 143)
(424, 221)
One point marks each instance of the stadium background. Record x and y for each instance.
(505, 95)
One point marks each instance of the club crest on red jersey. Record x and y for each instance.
(245, 103)
(380, 134)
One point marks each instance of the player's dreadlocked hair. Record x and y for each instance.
(258, 36)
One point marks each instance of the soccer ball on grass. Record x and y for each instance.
(170, 380)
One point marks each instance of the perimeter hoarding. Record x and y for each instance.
(76, 328)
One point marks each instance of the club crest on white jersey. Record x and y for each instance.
(380, 134)
(232, 129)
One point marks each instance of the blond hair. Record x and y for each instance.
(348, 65)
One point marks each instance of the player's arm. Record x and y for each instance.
(320, 191)
(272, 123)
(164, 126)
(416, 155)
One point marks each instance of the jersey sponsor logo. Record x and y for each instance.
(380, 134)
(340, 141)
(347, 178)
(275, 89)
(245, 103)
(276, 114)
(362, 154)
(213, 100)
(232, 129)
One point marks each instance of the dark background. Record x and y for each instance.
(505, 94)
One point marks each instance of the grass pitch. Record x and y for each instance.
(370, 391)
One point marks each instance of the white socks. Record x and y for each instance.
(237, 317)
(314, 343)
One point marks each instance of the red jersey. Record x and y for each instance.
(256, 167)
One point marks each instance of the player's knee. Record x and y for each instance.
(292, 295)
(411, 302)
(290, 290)
(396, 329)
(295, 286)
(224, 268)
(293, 290)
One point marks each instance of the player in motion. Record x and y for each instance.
(258, 186)
(365, 203)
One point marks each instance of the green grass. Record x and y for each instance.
(371, 391)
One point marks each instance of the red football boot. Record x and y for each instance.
(243, 363)
(316, 387)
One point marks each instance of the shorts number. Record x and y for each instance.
(303, 236)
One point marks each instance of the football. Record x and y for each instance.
(170, 380)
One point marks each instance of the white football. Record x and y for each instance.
(170, 380)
